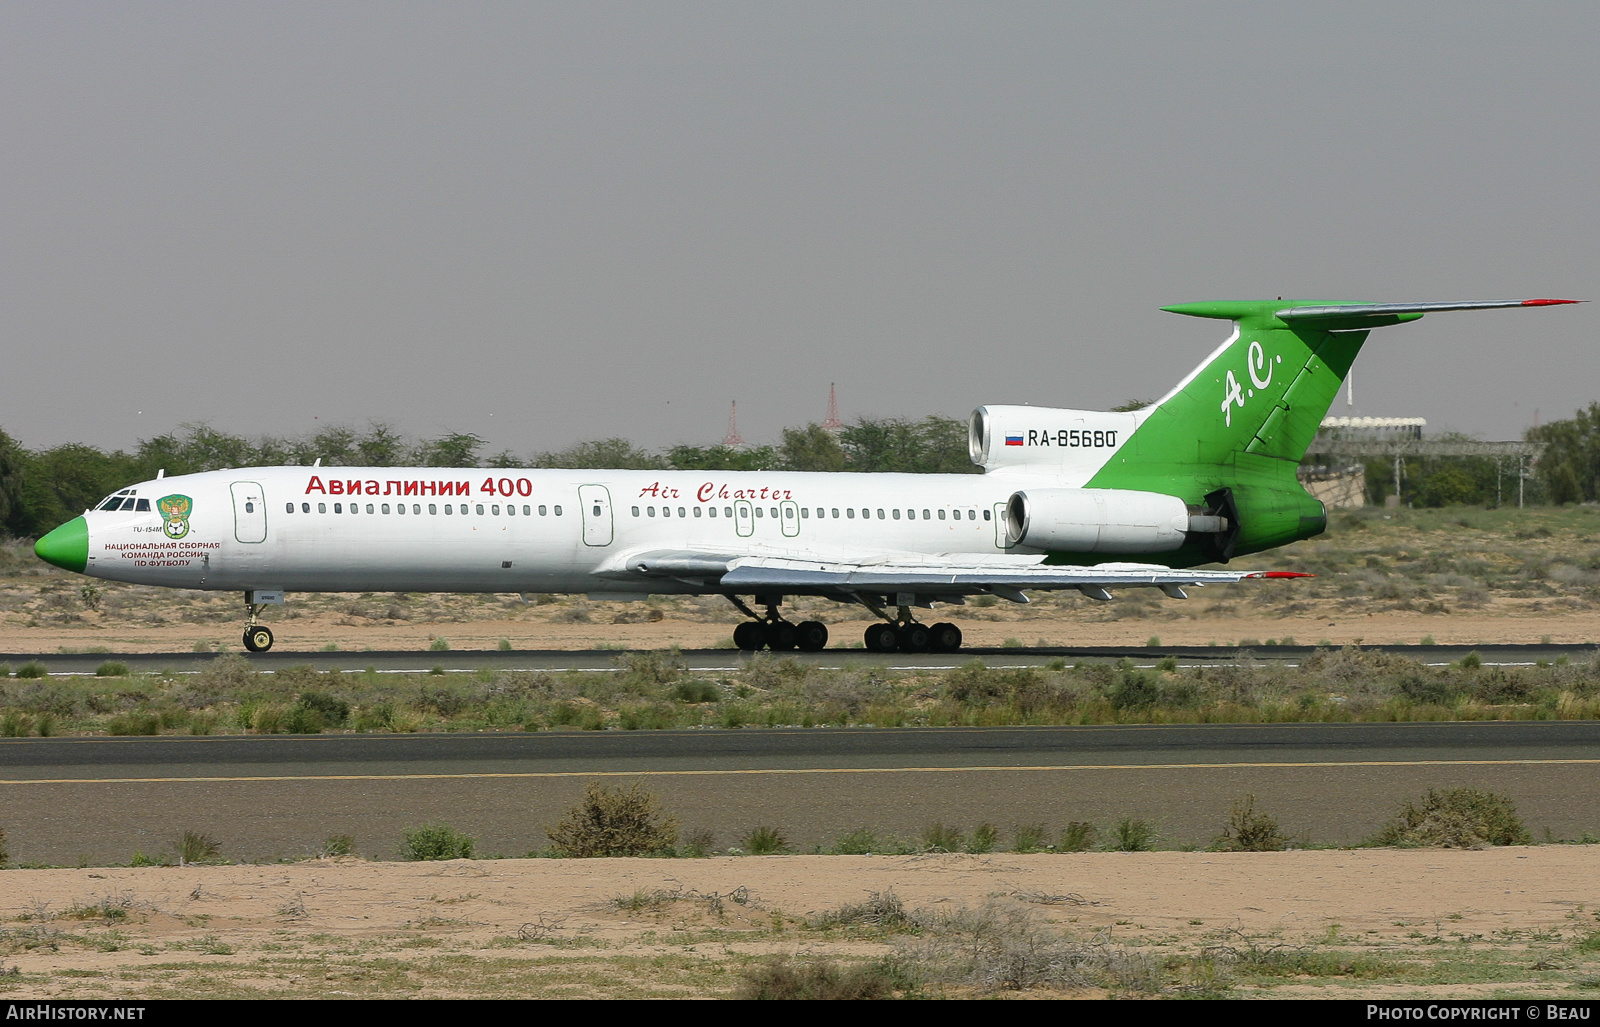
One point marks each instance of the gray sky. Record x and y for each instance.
(550, 222)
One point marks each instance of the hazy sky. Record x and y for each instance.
(546, 222)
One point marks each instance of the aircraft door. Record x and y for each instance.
(744, 519)
(249, 512)
(595, 502)
(791, 518)
(1000, 539)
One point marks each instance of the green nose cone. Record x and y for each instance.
(67, 547)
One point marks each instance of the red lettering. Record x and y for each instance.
(524, 487)
(395, 484)
(372, 487)
(506, 488)
(315, 485)
(653, 489)
(763, 493)
(487, 487)
(352, 488)
(707, 491)
(723, 492)
(335, 487)
(462, 488)
(411, 489)
(430, 488)
(787, 494)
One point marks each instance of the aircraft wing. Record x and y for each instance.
(931, 576)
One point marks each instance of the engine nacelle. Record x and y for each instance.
(1051, 440)
(1096, 520)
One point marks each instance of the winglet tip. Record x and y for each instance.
(1549, 303)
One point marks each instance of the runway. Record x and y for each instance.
(99, 800)
(712, 660)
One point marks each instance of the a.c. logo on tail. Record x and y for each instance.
(175, 512)
(1234, 394)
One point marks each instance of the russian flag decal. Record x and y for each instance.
(1013, 440)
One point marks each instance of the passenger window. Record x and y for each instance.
(416, 508)
(758, 511)
(985, 514)
(666, 511)
(526, 510)
(698, 512)
(433, 508)
(880, 514)
(399, 508)
(495, 509)
(369, 508)
(896, 513)
(711, 510)
(836, 513)
(305, 507)
(941, 515)
(287, 508)
(251, 507)
(557, 511)
(322, 508)
(850, 512)
(650, 510)
(727, 511)
(480, 509)
(338, 508)
(386, 508)
(447, 509)
(681, 512)
(541, 510)
(927, 516)
(805, 511)
(636, 511)
(511, 510)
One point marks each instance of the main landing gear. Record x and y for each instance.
(775, 633)
(900, 633)
(258, 637)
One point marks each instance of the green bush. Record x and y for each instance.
(32, 669)
(195, 847)
(936, 837)
(15, 724)
(134, 724)
(301, 720)
(339, 845)
(332, 711)
(1249, 831)
(111, 669)
(436, 841)
(696, 690)
(438, 645)
(1028, 838)
(983, 838)
(614, 822)
(818, 979)
(1459, 818)
(1134, 835)
(1078, 837)
(763, 841)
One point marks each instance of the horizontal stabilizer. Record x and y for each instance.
(1329, 311)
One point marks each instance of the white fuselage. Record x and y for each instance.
(338, 529)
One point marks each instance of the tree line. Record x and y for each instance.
(40, 489)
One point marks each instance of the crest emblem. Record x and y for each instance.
(175, 512)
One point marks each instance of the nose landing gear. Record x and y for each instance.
(258, 637)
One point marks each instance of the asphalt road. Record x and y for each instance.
(413, 661)
(99, 800)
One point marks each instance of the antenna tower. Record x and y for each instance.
(832, 423)
(733, 438)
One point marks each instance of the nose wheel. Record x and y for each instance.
(258, 639)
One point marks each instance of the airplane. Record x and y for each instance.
(1068, 499)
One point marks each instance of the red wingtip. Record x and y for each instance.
(1286, 574)
(1548, 303)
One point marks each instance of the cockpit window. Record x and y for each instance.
(122, 500)
(144, 506)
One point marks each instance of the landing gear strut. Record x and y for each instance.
(775, 633)
(900, 633)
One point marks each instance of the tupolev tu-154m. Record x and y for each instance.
(1068, 499)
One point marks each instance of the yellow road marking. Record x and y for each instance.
(812, 770)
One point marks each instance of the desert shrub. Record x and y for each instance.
(195, 847)
(763, 841)
(1133, 835)
(999, 947)
(439, 645)
(820, 979)
(5, 854)
(696, 690)
(111, 669)
(15, 724)
(936, 837)
(1028, 838)
(882, 910)
(301, 720)
(32, 669)
(1134, 690)
(332, 710)
(649, 671)
(134, 724)
(698, 844)
(860, 842)
(983, 838)
(1250, 831)
(1471, 661)
(339, 845)
(1078, 837)
(436, 841)
(614, 822)
(1460, 818)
